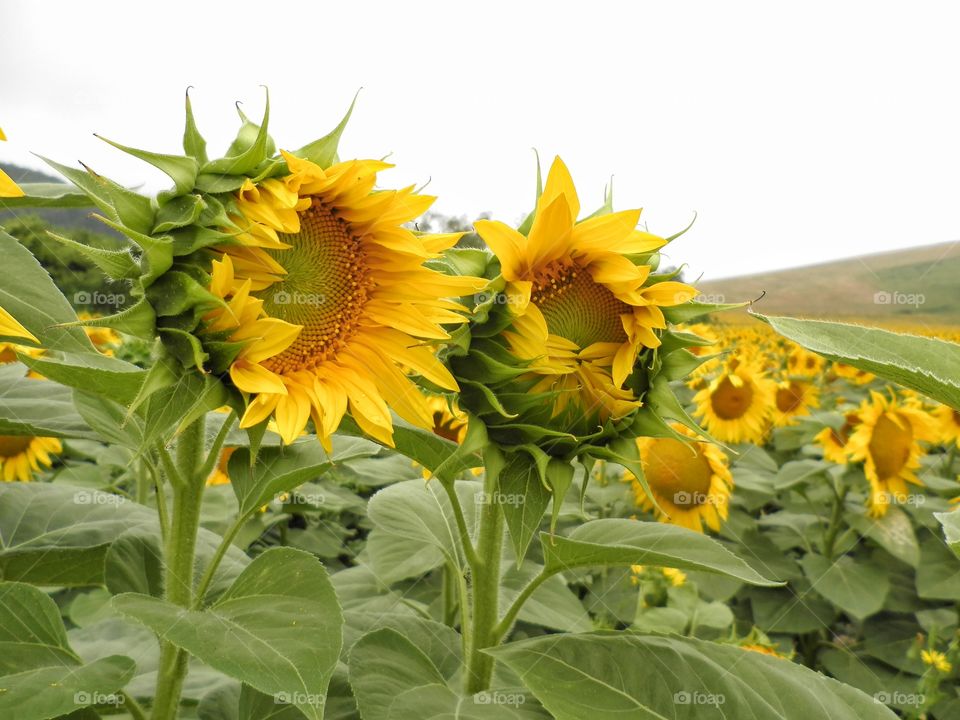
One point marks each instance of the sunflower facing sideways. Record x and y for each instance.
(581, 310)
(887, 441)
(834, 440)
(736, 406)
(690, 481)
(792, 399)
(290, 278)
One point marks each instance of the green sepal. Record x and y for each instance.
(673, 339)
(661, 400)
(523, 496)
(161, 374)
(184, 347)
(157, 251)
(691, 310)
(179, 212)
(323, 152)
(217, 184)
(245, 153)
(678, 234)
(527, 223)
(193, 143)
(222, 354)
(193, 238)
(94, 190)
(138, 320)
(482, 366)
(132, 209)
(559, 478)
(473, 443)
(607, 206)
(680, 363)
(489, 396)
(182, 170)
(176, 292)
(624, 452)
(247, 136)
(116, 264)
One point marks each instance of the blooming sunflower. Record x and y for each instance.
(23, 455)
(736, 406)
(674, 576)
(887, 440)
(581, 309)
(834, 441)
(690, 481)
(326, 255)
(793, 398)
(851, 373)
(8, 188)
(804, 363)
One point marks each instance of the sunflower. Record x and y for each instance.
(324, 265)
(834, 441)
(581, 308)
(675, 577)
(936, 660)
(23, 455)
(949, 420)
(852, 374)
(690, 481)
(793, 398)
(449, 421)
(887, 440)
(736, 406)
(803, 363)
(8, 188)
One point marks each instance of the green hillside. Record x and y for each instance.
(919, 284)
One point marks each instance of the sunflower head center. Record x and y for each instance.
(890, 445)
(789, 398)
(576, 307)
(730, 401)
(325, 289)
(12, 445)
(677, 472)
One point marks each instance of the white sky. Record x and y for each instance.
(798, 133)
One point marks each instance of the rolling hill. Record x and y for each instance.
(919, 284)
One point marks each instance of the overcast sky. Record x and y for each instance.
(798, 133)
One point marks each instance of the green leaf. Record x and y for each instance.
(179, 212)
(277, 628)
(523, 499)
(419, 511)
(28, 293)
(193, 143)
(950, 521)
(938, 574)
(383, 664)
(134, 563)
(182, 170)
(692, 310)
(40, 674)
(854, 586)
(617, 541)
(38, 407)
(47, 195)
(279, 469)
(893, 532)
(96, 374)
(606, 675)
(927, 365)
(116, 264)
(246, 153)
(393, 557)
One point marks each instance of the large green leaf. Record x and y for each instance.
(523, 499)
(855, 586)
(38, 407)
(927, 365)
(278, 628)
(40, 674)
(601, 675)
(28, 293)
(94, 373)
(616, 541)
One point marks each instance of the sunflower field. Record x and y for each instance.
(321, 464)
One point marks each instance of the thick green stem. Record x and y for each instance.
(830, 537)
(486, 591)
(179, 554)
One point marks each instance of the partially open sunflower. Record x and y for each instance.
(21, 456)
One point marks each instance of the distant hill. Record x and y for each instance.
(67, 219)
(917, 284)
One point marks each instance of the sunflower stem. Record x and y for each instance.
(485, 572)
(830, 537)
(187, 479)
